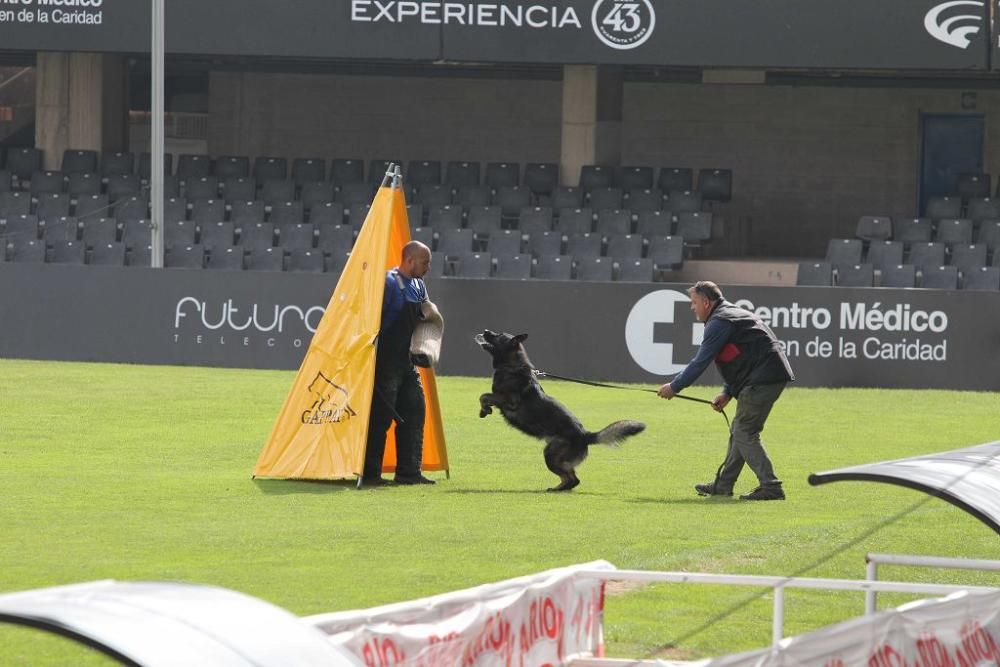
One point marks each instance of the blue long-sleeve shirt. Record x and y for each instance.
(400, 290)
(717, 334)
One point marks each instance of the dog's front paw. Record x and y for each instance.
(485, 411)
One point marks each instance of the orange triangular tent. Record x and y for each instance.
(321, 430)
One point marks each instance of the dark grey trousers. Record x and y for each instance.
(752, 408)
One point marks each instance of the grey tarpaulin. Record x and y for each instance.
(968, 478)
(152, 624)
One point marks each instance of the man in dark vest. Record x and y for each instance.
(755, 371)
(398, 393)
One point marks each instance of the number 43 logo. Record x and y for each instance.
(623, 24)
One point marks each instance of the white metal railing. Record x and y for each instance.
(873, 561)
(778, 584)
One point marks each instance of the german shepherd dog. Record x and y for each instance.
(526, 407)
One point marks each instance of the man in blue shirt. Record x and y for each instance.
(398, 393)
(755, 370)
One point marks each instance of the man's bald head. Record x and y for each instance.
(416, 260)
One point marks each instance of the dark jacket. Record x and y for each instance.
(753, 354)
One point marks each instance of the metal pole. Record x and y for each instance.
(778, 622)
(156, 141)
(871, 574)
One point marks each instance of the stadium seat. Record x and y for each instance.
(423, 172)
(613, 222)
(247, 212)
(636, 270)
(20, 227)
(305, 260)
(884, 253)
(133, 207)
(349, 194)
(504, 243)
(596, 269)
(969, 257)
(100, 231)
(581, 246)
(14, 203)
(926, 255)
(6, 182)
(983, 278)
(229, 259)
(553, 267)
(134, 234)
(855, 275)
(335, 239)
(207, 210)
(175, 208)
(545, 244)
(565, 196)
(673, 179)
(972, 186)
(144, 166)
(425, 235)
(52, 205)
(473, 195)
(912, 230)
(171, 186)
(287, 213)
(47, 182)
(77, 160)
(215, 235)
(191, 167)
(415, 214)
(140, 256)
(266, 259)
(308, 170)
(939, 277)
(357, 213)
(954, 231)
(484, 220)
(667, 253)
(278, 190)
(644, 201)
(331, 213)
(177, 233)
(575, 221)
(989, 233)
(715, 184)
(185, 257)
(81, 184)
(316, 192)
(502, 174)
(26, 251)
(695, 227)
(474, 265)
(455, 242)
(23, 162)
(625, 246)
(944, 207)
(511, 199)
(535, 220)
(843, 252)
(347, 170)
(633, 178)
(901, 275)
(239, 188)
(541, 178)
(444, 217)
(654, 223)
(256, 235)
(107, 254)
(983, 208)
(513, 267)
(815, 274)
(872, 228)
(433, 194)
(683, 201)
(122, 185)
(460, 174)
(117, 163)
(593, 176)
(63, 228)
(267, 168)
(605, 199)
(295, 235)
(92, 206)
(231, 166)
(66, 252)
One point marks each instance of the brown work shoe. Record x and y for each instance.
(765, 493)
(711, 489)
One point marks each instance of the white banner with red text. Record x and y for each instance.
(541, 619)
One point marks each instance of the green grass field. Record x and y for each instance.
(143, 473)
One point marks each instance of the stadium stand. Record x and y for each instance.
(855, 275)
(984, 278)
(308, 170)
(346, 171)
(675, 179)
(636, 270)
(901, 275)
(553, 267)
(513, 267)
(939, 277)
(815, 274)
(595, 269)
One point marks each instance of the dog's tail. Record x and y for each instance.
(614, 434)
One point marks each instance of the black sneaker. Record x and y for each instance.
(711, 490)
(765, 493)
(415, 479)
(374, 481)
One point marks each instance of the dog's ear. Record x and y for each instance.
(520, 338)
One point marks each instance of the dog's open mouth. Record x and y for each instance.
(480, 340)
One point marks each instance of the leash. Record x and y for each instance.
(543, 374)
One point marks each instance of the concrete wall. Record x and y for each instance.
(807, 161)
(307, 115)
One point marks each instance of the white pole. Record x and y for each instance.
(778, 622)
(156, 143)
(871, 574)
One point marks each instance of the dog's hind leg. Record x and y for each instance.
(556, 452)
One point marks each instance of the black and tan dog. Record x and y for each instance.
(526, 407)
